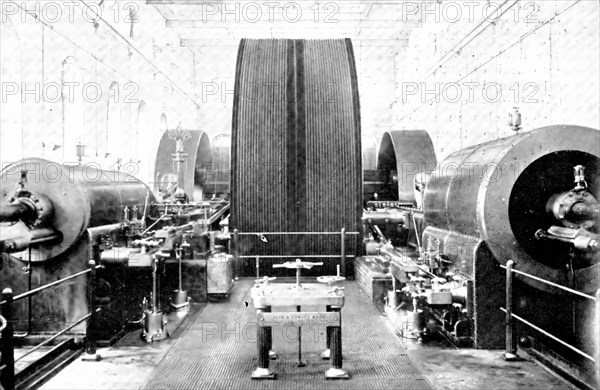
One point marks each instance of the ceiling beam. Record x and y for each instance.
(165, 11)
(199, 43)
(261, 24)
(224, 33)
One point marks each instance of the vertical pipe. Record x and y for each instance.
(212, 241)
(343, 250)
(257, 267)
(298, 278)
(206, 279)
(598, 339)
(417, 233)
(179, 253)
(154, 300)
(179, 157)
(511, 349)
(235, 253)
(7, 375)
(30, 299)
(90, 336)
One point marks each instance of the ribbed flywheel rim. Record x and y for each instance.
(296, 162)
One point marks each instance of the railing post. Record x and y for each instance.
(511, 345)
(598, 340)
(90, 336)
(343, 250)
(7, 376)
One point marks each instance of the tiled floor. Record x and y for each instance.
(447, 367)
(220, 350)
(130, 364)
(125, 365)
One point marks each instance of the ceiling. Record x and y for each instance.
(212, 30)
(223, 23)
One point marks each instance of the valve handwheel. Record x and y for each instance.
(264, 281)
(298, 265)
(331, 279)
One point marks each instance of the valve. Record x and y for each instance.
(264, 281)
(576, 208)
(331, 279)
(514, 119)
(335, 290)
(298, 265)
(580, 183)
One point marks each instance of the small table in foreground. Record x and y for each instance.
(268, 295)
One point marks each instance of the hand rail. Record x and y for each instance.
(565, 288)
(7, 352)
(236, 255)
(49, 285)
(511, 345)
(294, 233)
(550, 335)
(289, 256)
(56, 335)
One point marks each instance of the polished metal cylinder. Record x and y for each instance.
(80, 197)
(498, 191)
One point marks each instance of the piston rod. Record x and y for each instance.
(583, 210)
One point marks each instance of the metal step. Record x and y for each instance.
(42, 370)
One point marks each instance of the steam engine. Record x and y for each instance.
(78, 240)
(440, 238)
(55, 219)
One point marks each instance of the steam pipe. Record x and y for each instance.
(384, 240)
(154, 290)
(12, 212)
(97, 231)
(45, 239)
(37, 237)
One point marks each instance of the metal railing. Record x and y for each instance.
(7, 362)
(342, 256)
(511, 342)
